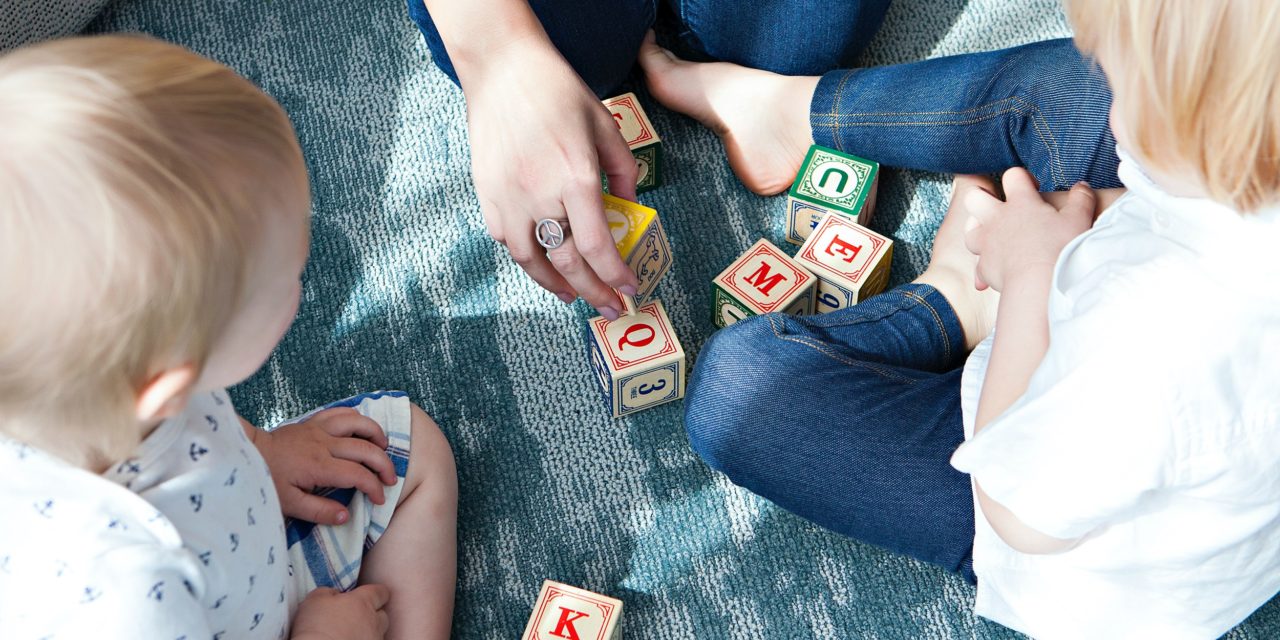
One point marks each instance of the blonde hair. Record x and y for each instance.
(1198, 88)
(134, 177)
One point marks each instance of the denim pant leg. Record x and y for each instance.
(848, 419)
(793, 37)
(599, 38)
(1042, 106)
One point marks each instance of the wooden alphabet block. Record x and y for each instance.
(641, 138)
(762, 280)
(637, 359)
(850, 261)
(642, 243)
(563, 612)
(830, 181)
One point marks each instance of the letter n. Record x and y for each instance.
(844, 178)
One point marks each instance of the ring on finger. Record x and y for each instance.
(550, 233)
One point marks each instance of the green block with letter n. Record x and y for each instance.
(828, 181)
(649, 167)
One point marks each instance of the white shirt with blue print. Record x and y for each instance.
(184, 540)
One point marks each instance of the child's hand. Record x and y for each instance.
(334, 448)
(1022, 234)
(327, 614)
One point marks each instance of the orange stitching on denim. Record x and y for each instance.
(917, 113)
(825, 350)
(937, 319)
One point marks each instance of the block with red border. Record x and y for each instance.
(637, 359)
(563, 612)
(642, 243)
(641, 138)
(830, 181)
(850, 261)
(762, 280)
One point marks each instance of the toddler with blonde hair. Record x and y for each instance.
(1106, 461)
(153, 230)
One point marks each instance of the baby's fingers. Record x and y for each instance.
(313, 508)
(1081, 204)
(367, 454)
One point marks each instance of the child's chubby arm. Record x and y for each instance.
(337, 448)
(1018, 241)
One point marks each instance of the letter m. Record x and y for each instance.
(565, 624)
(762, 281)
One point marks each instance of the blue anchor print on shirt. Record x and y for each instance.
(218, 635)
(218, 603)
(90, 594)
(191, 589)
(217, 399)
(204, 557)
(252, 579)
(196, 451)
(257, 618)
(251, 520)
(117, 523)
(129, 466)
(235, 542)
(157, 591)
(197, 501)
(263, 492)
(271, 556)
(232, 479)
(281, 596)
(213, 424)
(43, 508)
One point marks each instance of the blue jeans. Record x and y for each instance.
(1041, 106)
(848, 419)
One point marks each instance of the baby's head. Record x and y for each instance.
(153, 227)
(1197, 91)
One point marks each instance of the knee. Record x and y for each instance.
(736, 390)
(432, 471)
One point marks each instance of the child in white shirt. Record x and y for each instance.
(153, 229)
(1121, 427)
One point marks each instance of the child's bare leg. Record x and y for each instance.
(416, 558)
(762, 117)
(951, 267)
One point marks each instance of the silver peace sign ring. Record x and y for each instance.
(549, 233)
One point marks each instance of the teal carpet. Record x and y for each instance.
(405, 290)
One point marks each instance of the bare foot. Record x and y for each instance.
(762, 117)
(951, 267)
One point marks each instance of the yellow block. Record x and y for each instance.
(628, 222)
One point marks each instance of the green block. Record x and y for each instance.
(835, 180)
(726, 309)
(649, 162)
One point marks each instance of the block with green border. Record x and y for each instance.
(830, 181)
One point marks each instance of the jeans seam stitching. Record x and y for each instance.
(1047, 139)
(835, 130)
(918, 124)
(918, 113)
(937, 319)
(826, 351)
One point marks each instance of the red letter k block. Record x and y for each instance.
(565, 624)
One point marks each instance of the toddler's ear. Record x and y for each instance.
(166, 394)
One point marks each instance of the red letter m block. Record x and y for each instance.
(565, 624)
(762, 281)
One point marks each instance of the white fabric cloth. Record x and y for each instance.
(1151, 429)
(184, 539)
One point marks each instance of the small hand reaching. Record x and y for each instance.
(327, 614)
(1022, 234)
(337, 448)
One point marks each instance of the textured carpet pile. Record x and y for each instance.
(405, 290)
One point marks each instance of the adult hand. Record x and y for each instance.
(539, 140)
(337, 448)
(327, 614)
(1022, 234)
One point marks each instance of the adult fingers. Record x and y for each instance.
(615, 158)
(573, 266)
(313, 508)
(525, 250)
(383, 621)
(353, 424)
(593, 238)
(368, 454)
